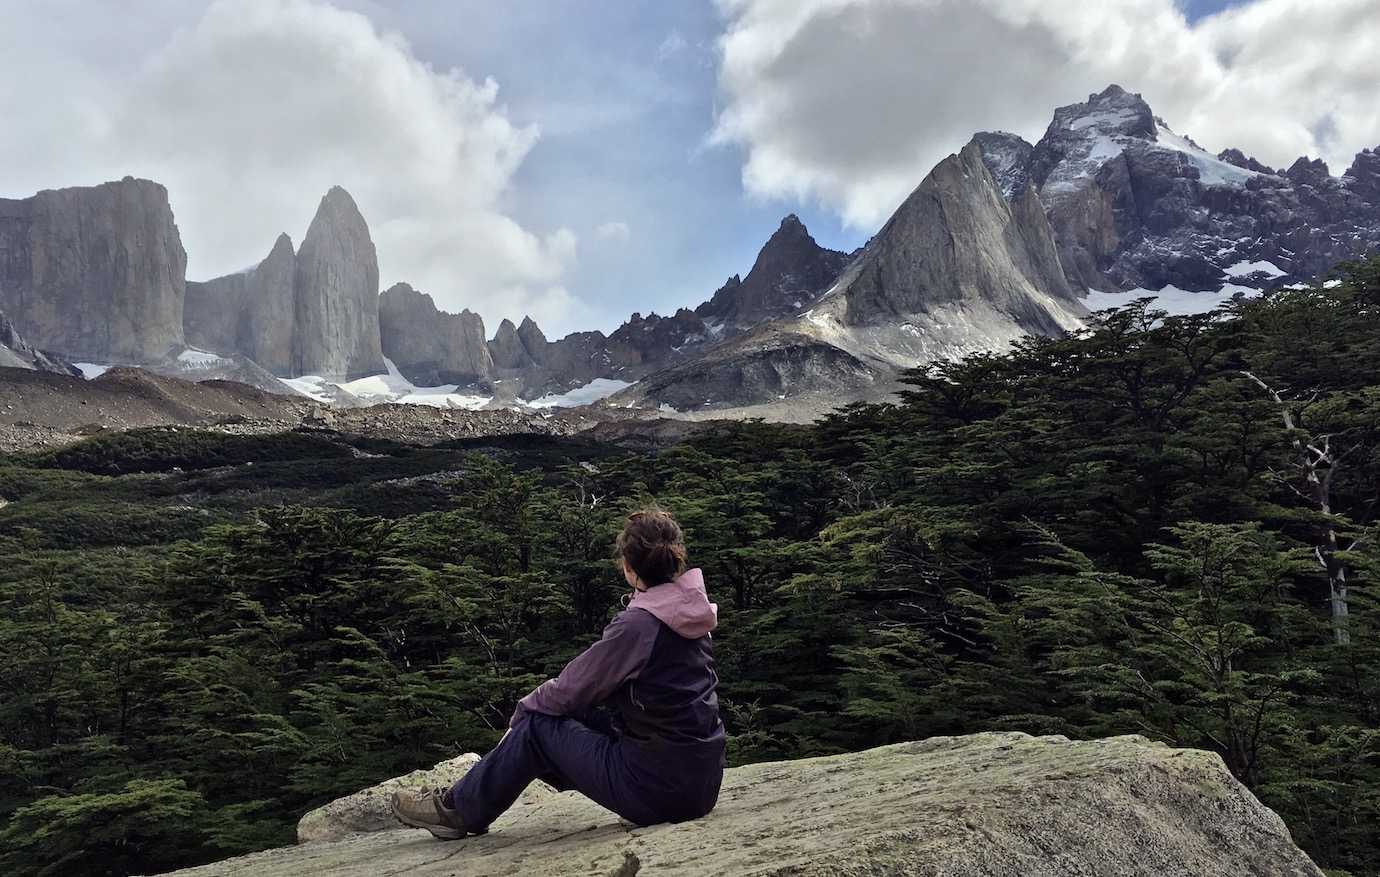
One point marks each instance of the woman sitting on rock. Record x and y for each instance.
(661, 756)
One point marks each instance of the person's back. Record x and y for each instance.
(661, 758)
(674, 700)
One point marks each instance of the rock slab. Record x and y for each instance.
(986, 805)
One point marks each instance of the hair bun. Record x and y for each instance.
(653, 545)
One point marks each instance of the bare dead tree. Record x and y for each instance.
(1316, 463)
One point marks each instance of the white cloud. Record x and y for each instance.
(251, 111)
(851, 102)
(616, 232)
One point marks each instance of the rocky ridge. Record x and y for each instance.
(957, 269)
(94, 273)
(790, 271)
(1135, 205)
(987, 805)
(999, 241)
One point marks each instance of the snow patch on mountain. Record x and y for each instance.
(388, 387)
(199, 358)
(584, 395)
(1115, 118)
(1246, 268)
(1212, 171)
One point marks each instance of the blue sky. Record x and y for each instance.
(583, 159)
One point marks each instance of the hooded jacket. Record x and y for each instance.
(654, 665)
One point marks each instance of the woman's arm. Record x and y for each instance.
(597, 672)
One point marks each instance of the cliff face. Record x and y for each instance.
(431, 347)
(253, 313)
(94, 273)
(337, 286)
(956, 241)
(988, 805)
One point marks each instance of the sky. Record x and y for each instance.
(579, 160)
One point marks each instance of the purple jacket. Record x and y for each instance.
(654, 664)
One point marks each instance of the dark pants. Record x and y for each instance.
(643, 786)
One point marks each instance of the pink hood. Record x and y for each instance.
(680, 604)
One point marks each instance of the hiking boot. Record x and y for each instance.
(423, 808)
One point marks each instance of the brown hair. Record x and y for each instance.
(653, 544)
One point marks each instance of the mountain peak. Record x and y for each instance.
(1007, 157)
(339, 212)
(533, 338)
(1113, 111)
(790, 232)
(790, 269)
(338, 194)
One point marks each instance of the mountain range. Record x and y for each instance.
(1005, 238)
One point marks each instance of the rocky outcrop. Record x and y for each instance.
(988, 805)
(337, 294)
(252, 313)
(1135, 205)
(15, 352)
(431, 347)
(790, 271)
(1363, 177)
(95, 273)
(315, 312)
